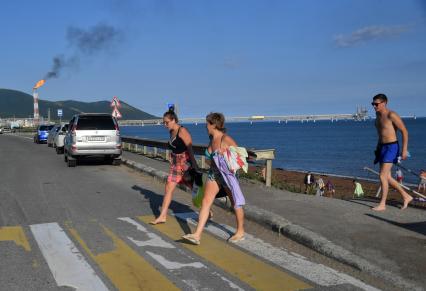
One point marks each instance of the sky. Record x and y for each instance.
(239, 57)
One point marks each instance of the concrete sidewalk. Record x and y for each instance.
(390, 245)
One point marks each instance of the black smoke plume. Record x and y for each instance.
(97, 39)
(100, 37)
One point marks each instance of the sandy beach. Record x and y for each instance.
(344, 188)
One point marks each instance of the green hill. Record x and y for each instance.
(20, 105)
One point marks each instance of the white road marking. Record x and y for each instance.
(155, 240)
(169, 265)
(317, 273)
(67, 264)
(231, 284)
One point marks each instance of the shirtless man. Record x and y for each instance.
(387, 124)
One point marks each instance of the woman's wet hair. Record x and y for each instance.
(217, 119)
(171, 114)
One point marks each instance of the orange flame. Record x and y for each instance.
(39, 84)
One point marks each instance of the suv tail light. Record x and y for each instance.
(117, 130)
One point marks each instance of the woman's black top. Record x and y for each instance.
(176, 144)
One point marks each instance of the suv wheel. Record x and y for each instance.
(72, 163)
(116, 162)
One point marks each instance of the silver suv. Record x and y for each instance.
(92, 134)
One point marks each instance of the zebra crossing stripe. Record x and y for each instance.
(245, 267)
(317, 273)
(15, 234)
(68, 266)
(124, 267)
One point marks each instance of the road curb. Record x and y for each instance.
(295, 232)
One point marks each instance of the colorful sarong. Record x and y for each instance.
(179, 164)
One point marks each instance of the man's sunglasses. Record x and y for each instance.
(376, 104)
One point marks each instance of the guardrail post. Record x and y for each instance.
(145, 150)
(268, 173)
(168, 155)
(155, 151)
(203, 162)
(136, 148)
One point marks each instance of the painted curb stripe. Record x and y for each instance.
(247, 268)
(125, 268)
(15, 234)
(66, 263)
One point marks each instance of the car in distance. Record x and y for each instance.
(92, 134)
(52, 134)
(58, 141)
(7, 129)
(42, 133)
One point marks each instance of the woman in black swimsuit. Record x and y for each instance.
(182, 158)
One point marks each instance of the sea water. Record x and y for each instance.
(339, 147)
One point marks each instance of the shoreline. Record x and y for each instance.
(292, 180)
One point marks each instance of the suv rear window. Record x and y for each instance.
(95, 123)
(46, 127)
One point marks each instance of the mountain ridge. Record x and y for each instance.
(18, 104)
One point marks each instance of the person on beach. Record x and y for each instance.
(181, 160)
(399, 176)
(330, 189)
(387, 151)
(320, 187)
(219, 176)
(422, 182)
(309, 182)
(358, 192)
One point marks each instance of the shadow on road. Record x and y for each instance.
(155, 201)
(92, 161)
(367, 202)
(419, 227)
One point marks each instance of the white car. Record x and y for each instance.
(52, 134)
(92, 134)
(58, 141)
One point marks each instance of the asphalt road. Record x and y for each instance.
(85, 228)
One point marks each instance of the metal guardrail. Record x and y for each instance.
(142, 145)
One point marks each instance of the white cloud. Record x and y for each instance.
(368, 33)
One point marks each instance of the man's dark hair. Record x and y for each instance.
(381, 97)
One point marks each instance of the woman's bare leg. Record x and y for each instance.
(168, 194)
(209, 194)
(239, 216)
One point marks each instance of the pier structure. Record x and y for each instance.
(361, 114)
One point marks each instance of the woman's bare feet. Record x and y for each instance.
(236, 237)
(158, 220)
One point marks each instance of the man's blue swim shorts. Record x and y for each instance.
(387, 153)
